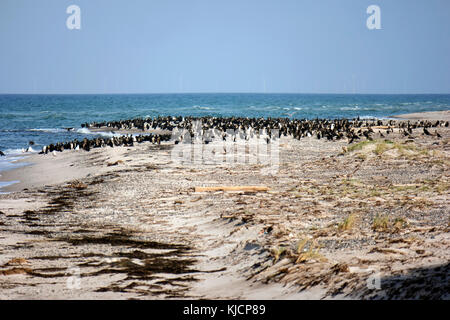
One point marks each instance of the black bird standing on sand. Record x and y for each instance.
(426, 131)
(438, 135)
(367, 135)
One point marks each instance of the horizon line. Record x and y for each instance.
(227, 92)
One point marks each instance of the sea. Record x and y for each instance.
(43, 118)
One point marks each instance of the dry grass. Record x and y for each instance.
(380, 223)
(380, 147)
(347, 223)
(308, 250)
(399, 223)
(277, 252)
(360, 145)
(77, 185)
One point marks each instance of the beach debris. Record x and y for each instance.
(17, 264)
(196, 199)
(14, 271)
(115, 163)
(388, 250)
(77, 185)
(232, 188)
(268, 229)
(340, 268)
(16, 261)
(278, 252)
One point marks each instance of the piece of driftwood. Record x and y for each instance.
(235, 188)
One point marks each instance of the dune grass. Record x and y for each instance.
(382, 223)
(348, 223)
(307, 250)
(379, 147)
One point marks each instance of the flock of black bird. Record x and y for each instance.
(246, 128)
(88, 144)
(337, 129)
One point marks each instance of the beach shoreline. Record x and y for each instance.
(130, 220)
(66, 169)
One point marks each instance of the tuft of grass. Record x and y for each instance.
(383, 223)
(352, 182)
(360, 145)
(301, 245)
(277, 252)
(308, 250)
(348, 222)
(375, 193)
(399, 223)
(380, 148)
(380, 223)
(410, 150)
(361, 156)
(443, 187)
(405, 187)
(76, 184)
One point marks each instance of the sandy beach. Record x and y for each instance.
(367, 220)
(432, 115)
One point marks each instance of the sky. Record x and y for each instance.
(173, 46)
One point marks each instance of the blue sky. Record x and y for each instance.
(151, 46)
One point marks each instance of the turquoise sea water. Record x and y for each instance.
(42, 118)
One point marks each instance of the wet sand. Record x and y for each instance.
(335, 217)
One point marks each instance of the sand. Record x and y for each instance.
(335, 217)
(51, 170)
(432, 115)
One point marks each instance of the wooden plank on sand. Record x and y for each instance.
(235, 188)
